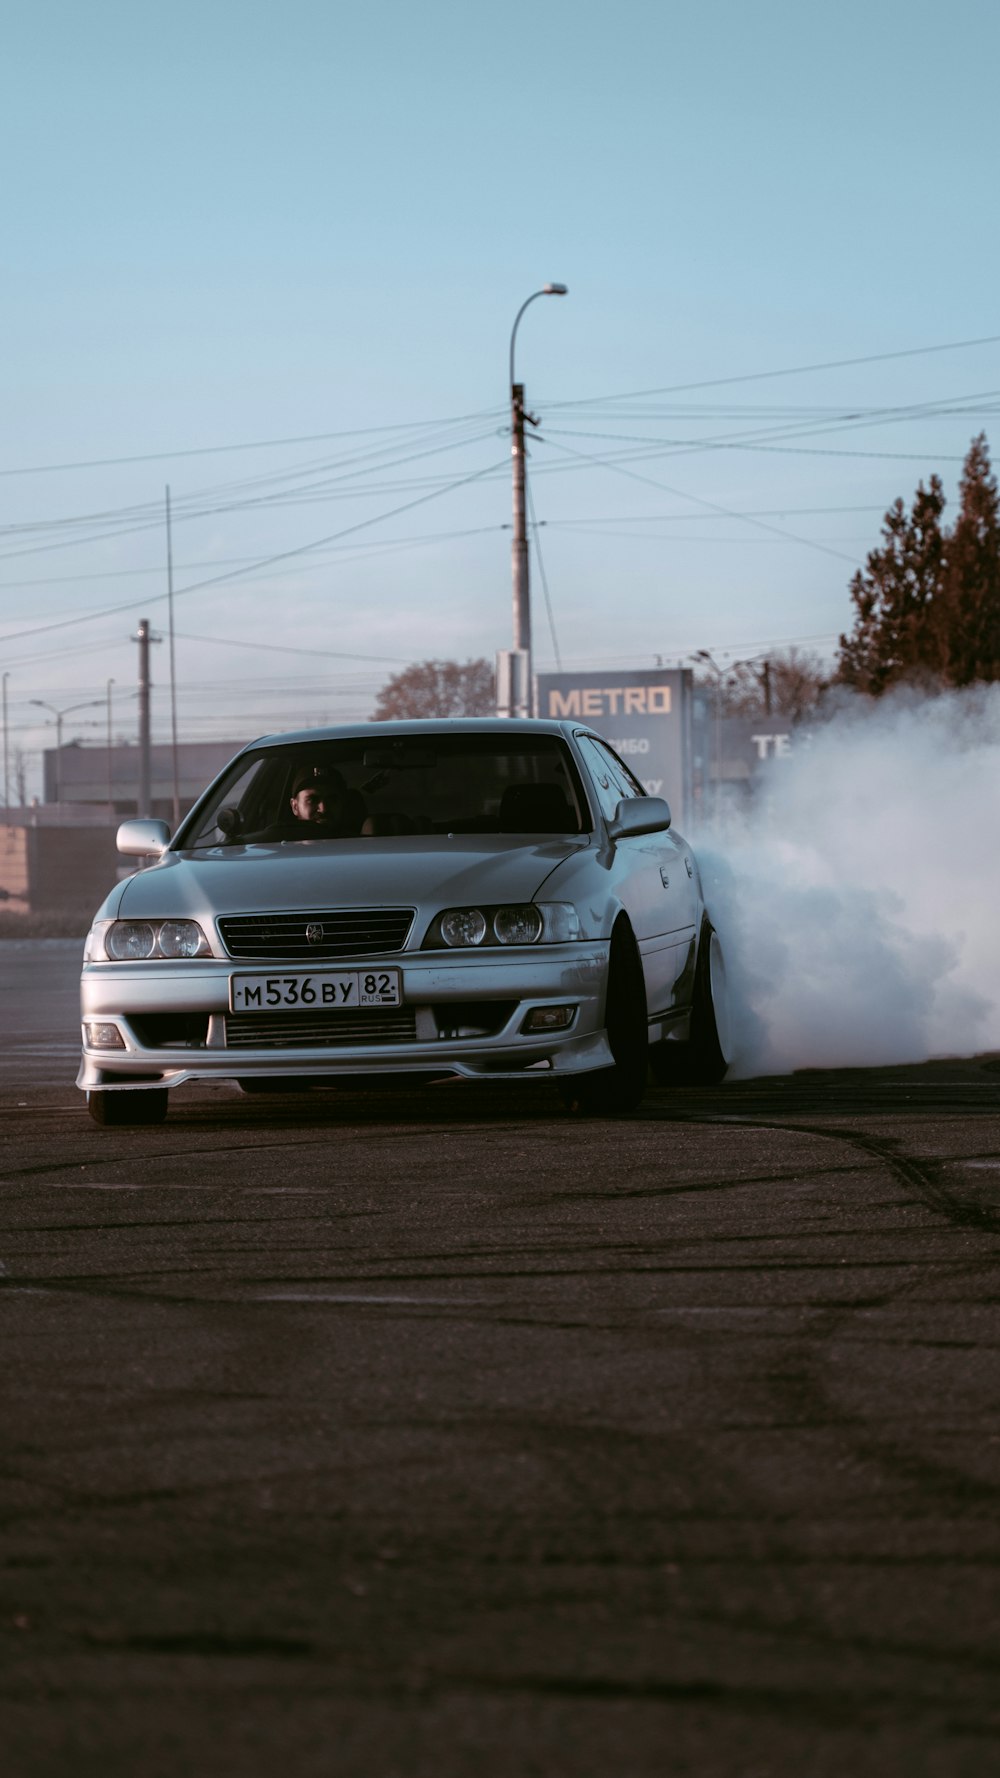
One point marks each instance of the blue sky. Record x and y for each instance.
(226, 225)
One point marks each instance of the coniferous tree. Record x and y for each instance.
(970, 610)
(898, 598)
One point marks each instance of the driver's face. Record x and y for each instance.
(309, 805)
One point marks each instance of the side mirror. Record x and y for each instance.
(639, 814)
(143, 838)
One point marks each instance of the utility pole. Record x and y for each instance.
(520, 695)
(6, 773)
(144, 639)
(111, 791)
(521, 686)
(766, 676)
(173, 676)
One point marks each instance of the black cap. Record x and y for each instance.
(318, 778)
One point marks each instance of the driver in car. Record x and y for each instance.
(321, 799)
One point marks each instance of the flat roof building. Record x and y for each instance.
(80, 775)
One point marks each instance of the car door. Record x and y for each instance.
(652, 878)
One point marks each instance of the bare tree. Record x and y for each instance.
(790, 682)
(439, 688)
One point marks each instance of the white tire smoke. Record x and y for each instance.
(857, 898)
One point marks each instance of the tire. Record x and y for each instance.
(704, 1059)
(610, 1091)
(147, 1107)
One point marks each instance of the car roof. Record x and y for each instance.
(420, 727)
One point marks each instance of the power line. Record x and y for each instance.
(334, 654)
(678, 652)
(710, 505)
(357, 553)
(193, 506)
(264, 562)
(797, 370)
(746, 441)
(250, 562)
(760, 436)
(257, 444)
(653, 451)
(485, 413)
(685, 538)
(690, 518)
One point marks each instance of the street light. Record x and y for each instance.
(521, 699)
(89, 704)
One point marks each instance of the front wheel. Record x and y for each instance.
(621, 1087)
(705, 1058)
(147, 1107)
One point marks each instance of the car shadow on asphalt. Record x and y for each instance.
(970, 1084)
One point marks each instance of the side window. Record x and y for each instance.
(238, 794)
(608, 790)
(619, 771)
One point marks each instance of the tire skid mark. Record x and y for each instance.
(806, 1390)
(925, 1177)
(891, 1448)
(402, 1133)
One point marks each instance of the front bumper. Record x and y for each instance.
(138, 997)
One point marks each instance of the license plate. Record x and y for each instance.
(322, 990)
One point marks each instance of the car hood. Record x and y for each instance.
(429, 872)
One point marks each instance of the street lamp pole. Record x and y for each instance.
(522, 699)
(88, 704)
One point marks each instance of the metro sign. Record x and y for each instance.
(610, 700)
(644, 714)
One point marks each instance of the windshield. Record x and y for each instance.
(371, 787)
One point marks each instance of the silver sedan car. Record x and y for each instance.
(489, 899)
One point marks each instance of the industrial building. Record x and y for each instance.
(81, 776)
(59, 856)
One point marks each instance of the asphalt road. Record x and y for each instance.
(442, 1433)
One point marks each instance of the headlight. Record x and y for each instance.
(518, 926)
(181, 938)
(131, 941)
(527, 923)
(128, 939)
(463, 926)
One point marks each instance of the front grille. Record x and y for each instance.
(346, 932)
(309, 1030)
